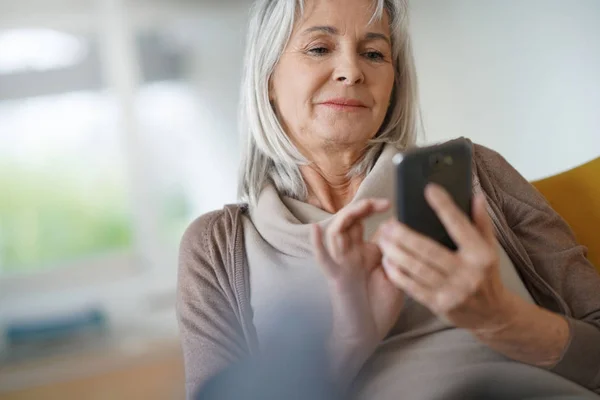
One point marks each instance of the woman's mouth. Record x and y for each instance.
(343, 104)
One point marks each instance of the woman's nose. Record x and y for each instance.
(348, 71)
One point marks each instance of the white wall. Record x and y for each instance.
(215, 68)
(522, 77)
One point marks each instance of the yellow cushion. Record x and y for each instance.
(575, 195)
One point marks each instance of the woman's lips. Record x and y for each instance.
(345, 104)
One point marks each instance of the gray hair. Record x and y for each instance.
(268, 154)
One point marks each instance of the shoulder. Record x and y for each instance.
(490, 168)
(499, 179)
(211, 233)
(484, 157)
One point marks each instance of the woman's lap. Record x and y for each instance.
(514, 381)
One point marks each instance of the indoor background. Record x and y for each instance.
(118, 128)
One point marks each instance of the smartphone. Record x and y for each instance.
(448, 165)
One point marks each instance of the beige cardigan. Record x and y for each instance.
(213, 301)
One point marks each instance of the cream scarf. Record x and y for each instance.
(285, 222)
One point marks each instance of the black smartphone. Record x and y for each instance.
(448, 165)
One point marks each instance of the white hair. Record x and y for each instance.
(268, 154)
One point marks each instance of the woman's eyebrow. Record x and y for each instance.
(378, 36)
(331, 30)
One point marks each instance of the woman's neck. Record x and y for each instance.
(327, 179)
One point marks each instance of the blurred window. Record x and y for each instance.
(62, 177)
(71, 175)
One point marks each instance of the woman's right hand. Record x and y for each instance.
(365, 303)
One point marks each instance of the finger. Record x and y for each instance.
(460, 229)
(426, 274)
(421, 246)
(406, 283)
(320, 252)
(482, 219)
(467, 282)
(335, 237)
(342, 243)
(337, 244)
(356, 233)
(356, 212)
(372, 256)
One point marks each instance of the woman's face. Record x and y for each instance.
(334, 80)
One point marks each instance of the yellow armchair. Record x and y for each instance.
(575, 195)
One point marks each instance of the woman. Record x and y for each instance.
(328, 98)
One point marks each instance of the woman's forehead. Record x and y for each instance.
(342, 15)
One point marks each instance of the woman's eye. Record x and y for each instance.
(318, 51)
(374, 55)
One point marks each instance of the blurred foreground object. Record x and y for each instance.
(293, 365)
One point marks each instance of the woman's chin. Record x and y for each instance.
(346, 137)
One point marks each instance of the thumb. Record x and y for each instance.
(379, 232)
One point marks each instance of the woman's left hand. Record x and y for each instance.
(462, 286)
